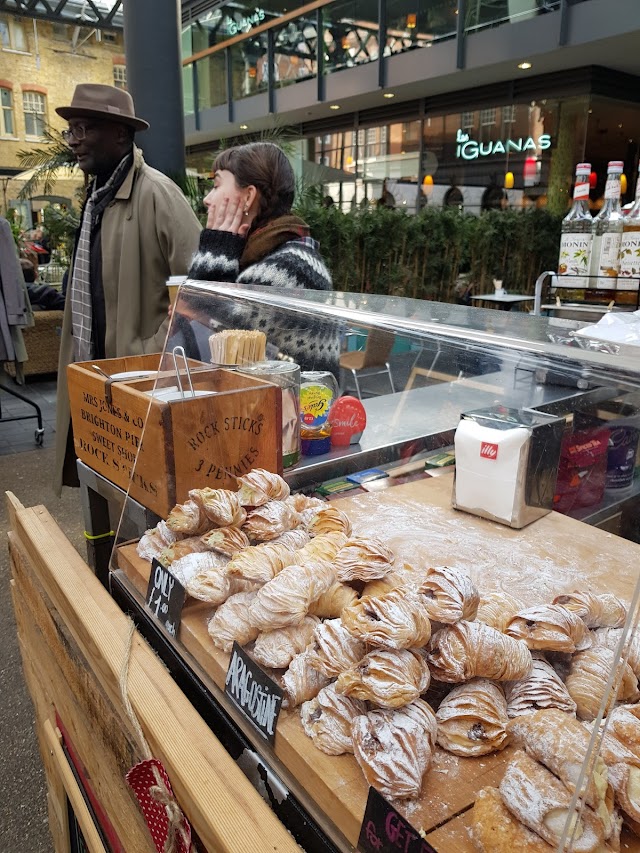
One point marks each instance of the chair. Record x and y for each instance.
(373, 360)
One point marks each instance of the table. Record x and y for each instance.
(505, 301)
(419, 524)
(102, 504)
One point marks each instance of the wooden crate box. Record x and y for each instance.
(159, 450)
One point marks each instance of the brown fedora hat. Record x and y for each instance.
(97, 101)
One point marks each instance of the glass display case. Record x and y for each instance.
(458, 665)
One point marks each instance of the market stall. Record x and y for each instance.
(355, 562)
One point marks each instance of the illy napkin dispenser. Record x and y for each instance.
(507, 464)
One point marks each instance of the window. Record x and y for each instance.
(61, 32)
(120, 76)
(466, 120)
(509, 114)
(488, 117)
(33, 104)
(6, 102)
(12, 34)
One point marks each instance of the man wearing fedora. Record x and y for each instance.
(136, 230)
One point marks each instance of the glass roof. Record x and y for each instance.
(87, 13)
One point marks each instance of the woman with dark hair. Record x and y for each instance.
(251, 235)
(253, 238)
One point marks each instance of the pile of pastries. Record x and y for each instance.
(359, 641)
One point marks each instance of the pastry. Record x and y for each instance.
(154, 541)
(610, 638)
(390, 678)
(422, 713)
(550, 627)
(301, 682)
(611, 749)
(497, 609)
(327, 720)
(221, 507)
(322, 547)
(286, 599)
(190, 565)
(180, 548)
(542, 688)
(588, 677)
(449, 595)
(188, 518)
(597, 611)
(495, 830)
(472, 719)
(258, 487)
(393, 751)
(270, 521)
(260, 563)
(624, 772)
(467, 649)
(293, 539)
(395, 620)
(561, 743)
(542, 803)
(333, 649)
(624, 725)
(332, 602)
(329, 519)
(363, 559)
(379, 586)
(276, 649)
(215, 586)
(625, 781)
(302, 503)
(226, 540)
(230, 623)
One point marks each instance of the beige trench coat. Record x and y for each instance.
(149, 232)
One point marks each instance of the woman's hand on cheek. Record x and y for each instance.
(227, 215)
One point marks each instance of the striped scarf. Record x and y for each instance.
(81, 305)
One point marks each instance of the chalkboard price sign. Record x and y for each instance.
(384, 830)
(165, 597)
(253, 692)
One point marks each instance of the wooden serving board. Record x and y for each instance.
(551, 556)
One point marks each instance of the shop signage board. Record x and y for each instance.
(165, 597)
(470, 149)
(384, 830)
(251, 690)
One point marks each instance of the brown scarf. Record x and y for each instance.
(265, 240)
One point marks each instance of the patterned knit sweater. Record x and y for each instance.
(313, 344)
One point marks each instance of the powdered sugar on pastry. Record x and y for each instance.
(389, 678)
(276, 649)
(327, 720)
(449, 595)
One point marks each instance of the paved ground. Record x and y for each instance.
(27, 471)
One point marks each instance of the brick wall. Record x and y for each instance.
(50, 65)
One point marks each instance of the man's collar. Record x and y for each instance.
(126, 187)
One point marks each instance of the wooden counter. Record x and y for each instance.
(73, 640)
(555, 554)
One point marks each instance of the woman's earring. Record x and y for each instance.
(246, 211)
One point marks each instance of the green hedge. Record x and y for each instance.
(388, 251)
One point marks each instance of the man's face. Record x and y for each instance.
(101, 146)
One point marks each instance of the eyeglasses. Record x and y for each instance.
(78, 132)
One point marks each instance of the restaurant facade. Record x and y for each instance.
(476, 105)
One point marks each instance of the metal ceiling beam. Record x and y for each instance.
(68, 12)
